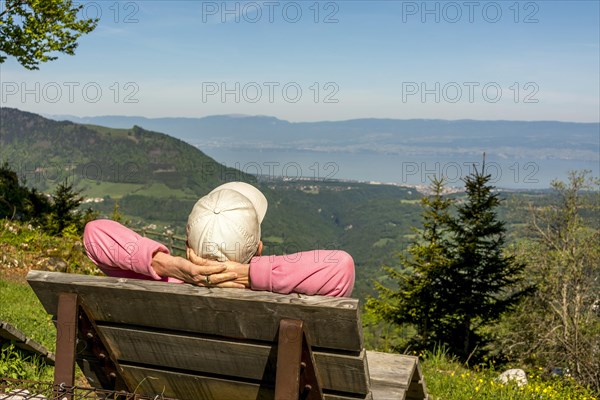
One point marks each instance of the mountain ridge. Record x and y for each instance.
(532, 139)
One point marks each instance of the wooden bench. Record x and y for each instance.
(187, 342)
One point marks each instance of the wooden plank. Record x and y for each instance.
(417, 389)
(391, 369)
(343, 373)
(229, 312)
(337, 372)
(190, 387)
(382, 392)
(184, 386)
(328, 396)
(9, 333)
(390, 372)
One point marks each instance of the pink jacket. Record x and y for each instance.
(120, 252)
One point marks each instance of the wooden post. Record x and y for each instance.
(296, 376)
(66, 340)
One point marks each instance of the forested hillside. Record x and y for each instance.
(46, 152)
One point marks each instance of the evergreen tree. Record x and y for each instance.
(484, 278)
(65, 215)
(455, 279)
(423, 280)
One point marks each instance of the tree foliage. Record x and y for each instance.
(65, 216)
(485, 279)
(455, 278)
(418, 298)
(559, 326)
(18, 201)
(58, 214)
(32, 31)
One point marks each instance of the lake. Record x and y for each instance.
(397, 169)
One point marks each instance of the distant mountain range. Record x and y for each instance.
(536, 140)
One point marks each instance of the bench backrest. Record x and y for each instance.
(190, 342)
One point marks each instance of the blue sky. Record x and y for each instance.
(327, 60)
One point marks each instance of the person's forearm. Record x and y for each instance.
(119, 251)
(242, 271)
(320, 272)
(163, 265)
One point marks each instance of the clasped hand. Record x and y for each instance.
(201, 271)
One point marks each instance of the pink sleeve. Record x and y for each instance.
(321, 272)
(120, 252)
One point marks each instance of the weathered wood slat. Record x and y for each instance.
(193, 387)
(390, 372)
(226, 357)
(382, 392)
(417, 389)
(151, 382)
(10, 333)
(229, 312)
(395, 369)
(327, 396)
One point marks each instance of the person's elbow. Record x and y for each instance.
(90, 239)
(345, 272)
(94, 238)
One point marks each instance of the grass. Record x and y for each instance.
(20, 307)
(15, 364)
(410, 201)
(117, 190)
(382, 242)
(273, 239)
(447, 379)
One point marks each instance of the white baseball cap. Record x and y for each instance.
(225, 224)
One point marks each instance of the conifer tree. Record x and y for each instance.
(65, 206)
(455, 278)
(483, 276)
(422, 282)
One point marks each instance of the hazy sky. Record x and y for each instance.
(327, 60)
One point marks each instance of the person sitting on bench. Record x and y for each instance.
(223, 249)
